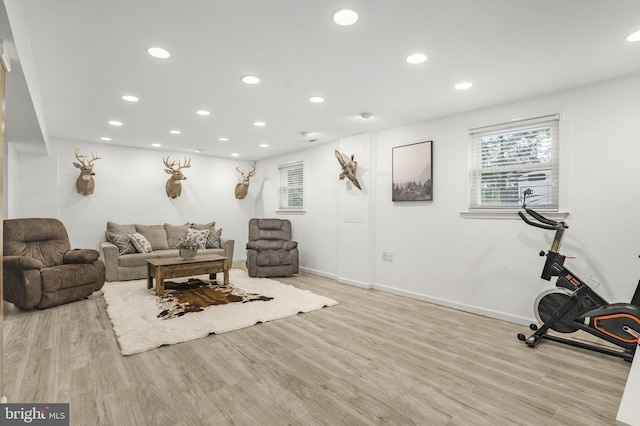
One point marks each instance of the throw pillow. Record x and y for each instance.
(213, 239)
(122, 241)
(199, 235)
(140, 243)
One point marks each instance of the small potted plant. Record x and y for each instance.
(188, 247)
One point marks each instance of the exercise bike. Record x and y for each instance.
(572, 305)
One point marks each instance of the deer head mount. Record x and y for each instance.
(243, 187)
(85, 183)
(174, 186)
(349, 169)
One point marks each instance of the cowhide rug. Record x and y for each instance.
(134, 310)
(196, 294)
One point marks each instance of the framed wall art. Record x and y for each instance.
(412, 172)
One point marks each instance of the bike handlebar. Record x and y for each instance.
(544, 222)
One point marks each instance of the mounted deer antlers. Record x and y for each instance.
(85, 183)
(174, 187)
(243, 187)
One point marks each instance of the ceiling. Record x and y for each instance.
(78, 57)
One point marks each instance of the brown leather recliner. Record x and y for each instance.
(40, 268)
(270, 251)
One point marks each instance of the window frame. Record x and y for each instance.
(285, 187)
(475, 168)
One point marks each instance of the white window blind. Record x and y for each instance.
(509, 158)
(292, 186)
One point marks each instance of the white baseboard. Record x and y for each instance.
(419, 296)
(354, 283)
(455, 305)
(318, 273)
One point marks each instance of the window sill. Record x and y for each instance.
(510, 214)
(291, 211)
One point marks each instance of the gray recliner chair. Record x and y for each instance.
(270, 250)
(40, 268)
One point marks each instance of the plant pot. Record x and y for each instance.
(187, 253)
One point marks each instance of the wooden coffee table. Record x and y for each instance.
(176, 267)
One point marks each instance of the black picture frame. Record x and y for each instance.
(412, 172)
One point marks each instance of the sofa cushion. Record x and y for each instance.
(138, 259)
(155, 234)
(174, 233)
(209, 225)
(122, 241)
(141, 244)
(120, 229)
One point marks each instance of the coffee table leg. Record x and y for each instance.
(149, 278)
(226, 271)
(159, 281)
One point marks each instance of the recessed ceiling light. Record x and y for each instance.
(175, 132)
(634, 36)
(251, 79)
(105, 139)
(366, 115)
(264, 145)
(416, 58)
(345, 17)
(259, 123)
(130, 98)
(158, 52)
(463, 86)
(235, 154)
(223, 139)
(115, 123)
(203, 112)
(156, 145)
(316, 99)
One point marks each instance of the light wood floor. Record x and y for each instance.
(373, 359)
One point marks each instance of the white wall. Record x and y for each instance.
(315, 230)
(480, 265)
(492, 266)
(130, 188)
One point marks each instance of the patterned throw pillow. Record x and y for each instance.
(213, 240)
(122, 241)
(199, 235)
(141, 244)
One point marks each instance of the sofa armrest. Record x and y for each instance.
(81, 256)
(109, 255)
(228, 246)
(21, 263)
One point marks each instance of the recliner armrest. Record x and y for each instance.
(81, 256)
(290, 245)
(22, 263)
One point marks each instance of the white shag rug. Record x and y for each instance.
(133, 310)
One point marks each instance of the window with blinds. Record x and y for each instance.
(292, 186)
(507, 159)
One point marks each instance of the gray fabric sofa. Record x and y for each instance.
(270, 250)
(124, 261)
